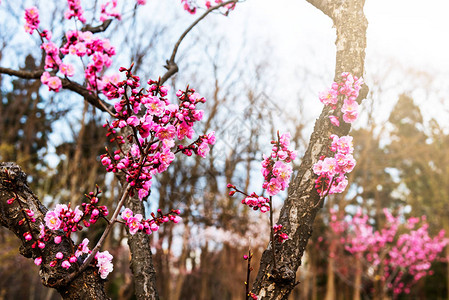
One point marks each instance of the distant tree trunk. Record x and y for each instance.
(358, 278)
(330, 285)
(88, 285)
(299, 212)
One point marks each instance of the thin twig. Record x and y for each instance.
(171, 66)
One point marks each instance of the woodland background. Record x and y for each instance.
(401, 145)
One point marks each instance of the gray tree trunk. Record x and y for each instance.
(298, 212)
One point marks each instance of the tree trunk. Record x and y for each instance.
(330, 285)
(141, 258)
(447, 270)
(298, 212)
(358, 278)
(141, 263)
(88, 285)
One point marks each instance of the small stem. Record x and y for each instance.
(248, 272)
(272, 234)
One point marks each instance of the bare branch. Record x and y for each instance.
(96, 29)
(89, 96)
(171, 66)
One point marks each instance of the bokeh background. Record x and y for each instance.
(261, 69)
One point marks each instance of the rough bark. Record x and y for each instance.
(88, 285)
(358, 278)
(299, 210)
(141, 263)
(330, 284)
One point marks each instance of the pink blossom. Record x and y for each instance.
(134, 223)
(166, 133)
(82, 248)
(154, 227)
(65, 264)
(154, 106)
(334, 120)
(126, 214)
(52, 220)
(57, 239)
(27, 236)
(38, 261)
(318, 167)
(282, 171)
(104, 263)
(284, 140)
(184, 130)
(350, 117)
(176, 219)
(67, 69)
(273, 187)
(203, 150)
(133, 121)
(211, 138)
(59, 255)
(329, 97)
(40, 245)
(54, 83)
(45, 77)
(329, 166)
(75, 11)
(31, 19)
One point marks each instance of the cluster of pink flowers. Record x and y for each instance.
(281, 236)
(78, 44)
(137, 223)
(276, 174)
(60, 223)
(254, 201)
(109, 10)
(275, 170)
(348, 89)
(103, 259)
(31, 19)
(104, 263)
(99, 50)
(63, 217)
(403, 251)
(75, 11)
(332, 171)
(53, 82)
(155, 132)
(191, 5)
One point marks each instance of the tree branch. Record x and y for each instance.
(171, 66)
(299, 210)
(88, 96)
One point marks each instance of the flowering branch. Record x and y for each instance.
(97, 247)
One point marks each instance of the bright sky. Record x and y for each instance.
(412, 33)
